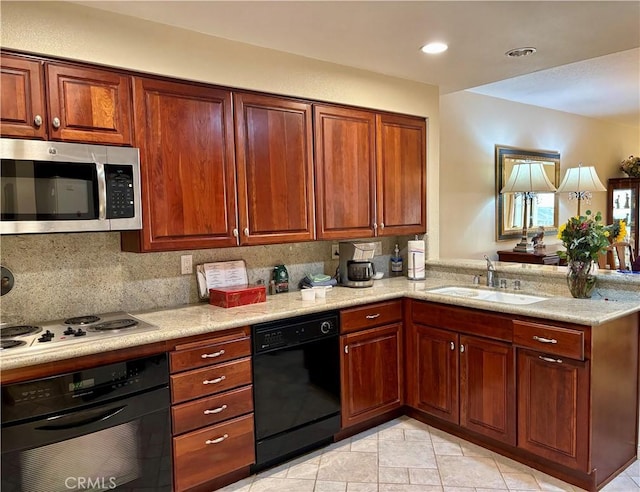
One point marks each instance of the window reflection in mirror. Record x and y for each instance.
(509, 207)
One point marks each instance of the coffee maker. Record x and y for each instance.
(356, 263)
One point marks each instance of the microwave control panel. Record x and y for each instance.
(120, 203)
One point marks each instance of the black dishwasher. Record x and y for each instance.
(296, 377)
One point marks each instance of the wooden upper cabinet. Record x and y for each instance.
(88, 105)
(274, 159)
(185, 136)
(22, 106)
(401, 175)
(345, 172)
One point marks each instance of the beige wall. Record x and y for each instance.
(470, 127)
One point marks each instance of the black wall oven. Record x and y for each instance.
(105, 428)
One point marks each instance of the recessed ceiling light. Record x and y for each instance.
(518, 52)
(434, 48)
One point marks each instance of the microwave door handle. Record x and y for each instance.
(102, 189)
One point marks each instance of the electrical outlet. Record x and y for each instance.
(335, 254)
(378, 249)
(186, 264)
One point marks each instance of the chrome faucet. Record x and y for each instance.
(491, 272)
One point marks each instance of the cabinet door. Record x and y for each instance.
(185, 135)
(345, 172)
(623, 195)
(88, 105)
(275, 169)
(401, 175)
(487, 388)
(553, 408)
(433, 366)
(22, 107)
(371, 373)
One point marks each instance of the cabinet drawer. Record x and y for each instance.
(549, 339)
(206, 353)
(380, 313)
(209, 380)
(208, 453)
(211, 410)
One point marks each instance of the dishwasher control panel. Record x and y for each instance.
(294, 331)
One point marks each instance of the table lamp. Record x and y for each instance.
(580, 182)
(527, 178)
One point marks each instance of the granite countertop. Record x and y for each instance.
(203, 318)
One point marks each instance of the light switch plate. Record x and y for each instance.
(378, 250)
(335, 252)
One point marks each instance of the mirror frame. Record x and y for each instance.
(503, 152)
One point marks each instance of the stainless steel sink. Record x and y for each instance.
(487, 295)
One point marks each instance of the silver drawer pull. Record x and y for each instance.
(215, 410)
(544, 340)
(549, 359)
(373, 316)
(214, 381)
(211, 356)
(216, 441)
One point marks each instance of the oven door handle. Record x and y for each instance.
(79, 422)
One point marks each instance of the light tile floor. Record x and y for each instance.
(405, 455)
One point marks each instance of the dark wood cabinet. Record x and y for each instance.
(371, 365)
(345, 172)
(553, 406)
(185, 135)
(82, 104)
(22, 106)
(274, 158)
(401, 175)
(462, 379)
(623, 202)
(370, 173)
(212, 410)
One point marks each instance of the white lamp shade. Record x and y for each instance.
(529, 176)
(581, 178)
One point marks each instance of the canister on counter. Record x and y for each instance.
(281, 279)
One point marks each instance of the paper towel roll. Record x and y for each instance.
(415, 260)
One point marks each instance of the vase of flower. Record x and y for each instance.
(581, 278)
(585, 238)
(631, 166)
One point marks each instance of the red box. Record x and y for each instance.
(238, 295)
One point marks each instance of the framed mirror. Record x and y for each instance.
(509, 207)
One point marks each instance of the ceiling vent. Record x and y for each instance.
(519, 52)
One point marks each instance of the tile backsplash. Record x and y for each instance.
(62, 275)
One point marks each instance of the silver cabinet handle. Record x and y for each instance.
(544, 340)
(373, 316)
(214, 381)
(246, 231)
(56, 122)
(461, 348)
(211, 356)
(375, 226)
(216, 441)
(381, 225)
(215, 410)
(346, 349)
(549, 359)
(37, 121)
(235, 233)
(453, 345)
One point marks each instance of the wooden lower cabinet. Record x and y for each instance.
(464, 380)
(213, 451)
(557, 396)
(371, 369)
(212, 410)
(553, 406)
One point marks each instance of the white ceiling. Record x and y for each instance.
(587, 60)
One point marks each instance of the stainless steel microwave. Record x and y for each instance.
(68, 187)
